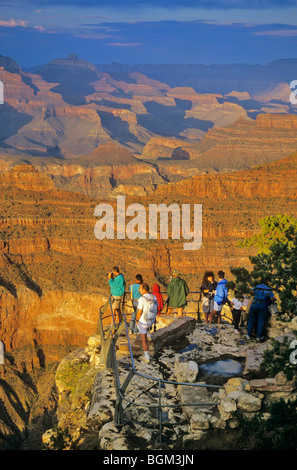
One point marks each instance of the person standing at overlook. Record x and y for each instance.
(135, 296)
(220, 298)
(147, 311)
(177, 291)
(117, 289)
(263, 296)
(208, 288)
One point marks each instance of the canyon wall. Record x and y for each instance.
(53, 271)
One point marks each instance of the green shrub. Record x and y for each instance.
(59, 440)
(277, 359)
(276, 430)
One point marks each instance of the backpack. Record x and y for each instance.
(151, 310)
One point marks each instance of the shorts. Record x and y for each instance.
(117, 301)
(217, 307)
(143, 328)
(207, 305)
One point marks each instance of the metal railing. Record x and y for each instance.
(109, 336)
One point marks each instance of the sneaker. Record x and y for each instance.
(248, 337)
(145, 359)
(261, 339)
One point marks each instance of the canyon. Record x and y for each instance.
(105, 134)
(68, 108)
(65, 147)
(54, 270)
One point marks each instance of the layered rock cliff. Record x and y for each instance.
(54, 270)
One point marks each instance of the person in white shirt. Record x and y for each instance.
(147, 310)
(236, 311)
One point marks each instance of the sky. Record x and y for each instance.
(34, 32)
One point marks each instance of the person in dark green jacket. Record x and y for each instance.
(177, 291)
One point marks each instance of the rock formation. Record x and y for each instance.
(67, 108)
(49, 254)
(199, 411)
(64, 153)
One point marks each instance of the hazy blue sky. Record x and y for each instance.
(158, 31)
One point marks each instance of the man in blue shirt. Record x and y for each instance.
(117, 289)
(220, 298)
(263, 296)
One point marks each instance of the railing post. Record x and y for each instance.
(111, 335)
(160, 414)
(108, 357)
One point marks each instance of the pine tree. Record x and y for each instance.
(275, 266)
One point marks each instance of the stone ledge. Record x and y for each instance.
(177, 328)
(270, 385)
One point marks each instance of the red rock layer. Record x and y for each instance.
(53, 271)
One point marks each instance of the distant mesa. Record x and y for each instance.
(161, 148)
(180, 154)
(9, 64)
(215, 78)
(240, 95)
(69, 63)
(71, 109)
(108, 154)
(279, 93)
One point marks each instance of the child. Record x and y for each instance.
(237, 308)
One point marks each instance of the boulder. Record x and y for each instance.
(228, 404)
(185, 371)
(101, 412)
(293, 324)
(217, 423)
(199, 421)
(254, 357)
(107, 434)
(236, 383)
(194, 395)
(246, 401)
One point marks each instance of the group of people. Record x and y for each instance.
(147, 306)
(215, 296)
